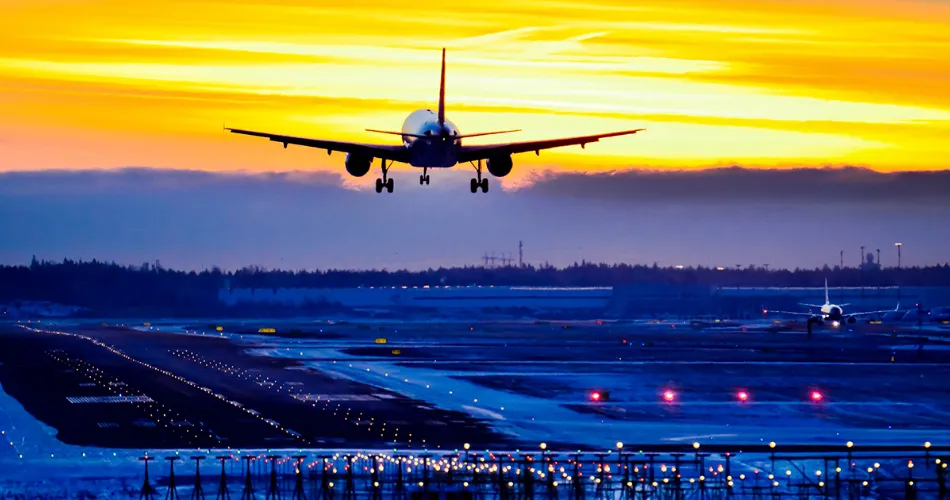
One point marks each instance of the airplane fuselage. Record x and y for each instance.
(441, 150)
(831, 312)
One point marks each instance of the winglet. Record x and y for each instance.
(442, 92)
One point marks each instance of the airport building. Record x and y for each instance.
(627, 301)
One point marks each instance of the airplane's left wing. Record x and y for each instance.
(395, 153)
(481, 152)
(790, 313)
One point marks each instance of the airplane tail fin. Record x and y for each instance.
(827, 299)
(442, 92)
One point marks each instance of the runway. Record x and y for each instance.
(493, 385)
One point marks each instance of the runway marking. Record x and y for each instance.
(335, 397)
(483, 412)
(694, 438)
(109, 399)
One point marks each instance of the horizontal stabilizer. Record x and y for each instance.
(417, 136)
(479, 134)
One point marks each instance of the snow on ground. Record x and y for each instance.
(31, 455)
(537, 419)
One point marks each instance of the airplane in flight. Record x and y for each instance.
(833, 313)
(431, 141)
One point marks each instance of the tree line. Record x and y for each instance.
(150, 288)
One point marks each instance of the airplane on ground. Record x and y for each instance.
(833, 313)
(431, 141)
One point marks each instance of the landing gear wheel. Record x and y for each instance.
(384, 182)
(427, 180)
(424, 179)
(478, 182)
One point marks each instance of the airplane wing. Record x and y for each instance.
(481, 152)
(395, 153)
(868, 313)
(791, 313)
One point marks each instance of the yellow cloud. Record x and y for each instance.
(756, 83)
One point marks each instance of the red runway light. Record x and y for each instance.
(816, 396)
(669, 396)
(743, 396)
(595, 396)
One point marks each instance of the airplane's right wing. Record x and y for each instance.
(395, 153)
(867, 313)
(482, 152)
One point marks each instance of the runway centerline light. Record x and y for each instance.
(817, 396)
(743, 396)
(669, 396)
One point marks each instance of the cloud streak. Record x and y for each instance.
(737, 81)
(735, 184)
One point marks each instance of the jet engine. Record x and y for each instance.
(357, 165)
(499, 166)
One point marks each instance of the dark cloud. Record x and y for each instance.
(194, 219)
(805, 185)
(801, 185)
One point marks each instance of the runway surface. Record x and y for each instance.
(498, 385)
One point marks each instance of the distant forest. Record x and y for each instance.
(109, 288)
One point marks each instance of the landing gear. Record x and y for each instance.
(478, 182)
(811, 324)
(424, 178)
(380, 185)
(385, 181)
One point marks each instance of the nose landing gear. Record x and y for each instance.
(424, 178)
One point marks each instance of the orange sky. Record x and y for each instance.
(111, 83)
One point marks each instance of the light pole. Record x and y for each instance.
(898, 245)
(862, 270)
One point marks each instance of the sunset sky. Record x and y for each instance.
(115, 83)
